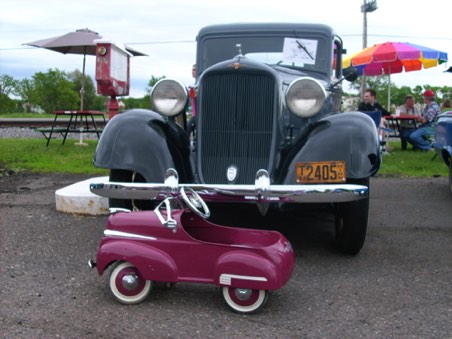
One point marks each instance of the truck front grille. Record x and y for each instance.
(235, 124)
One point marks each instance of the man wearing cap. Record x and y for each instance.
(420, 138)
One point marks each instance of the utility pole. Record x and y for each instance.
(366, 7)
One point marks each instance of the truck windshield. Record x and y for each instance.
(306, 53)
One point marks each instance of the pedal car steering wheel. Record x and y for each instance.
(195, 202)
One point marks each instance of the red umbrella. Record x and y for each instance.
(394, 57)
(82, 41)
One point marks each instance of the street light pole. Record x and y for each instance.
(366, 7)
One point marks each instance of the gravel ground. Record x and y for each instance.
(19, 132)
(27, 132)
(397, 287)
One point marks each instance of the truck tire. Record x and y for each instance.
(351, 220)
(118, 175)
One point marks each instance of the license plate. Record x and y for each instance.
(318, 172)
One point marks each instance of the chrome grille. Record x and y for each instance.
(235, 125)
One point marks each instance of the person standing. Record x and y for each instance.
(370, 104)
(407, 127)
(421, 137)
(191, 126)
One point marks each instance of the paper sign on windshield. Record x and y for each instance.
(299, 51)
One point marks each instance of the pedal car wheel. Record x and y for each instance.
(351, 222)
(127, 285)
(244, 300)
(195, 202)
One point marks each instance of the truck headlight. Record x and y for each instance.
(305, 97)
(168, 97)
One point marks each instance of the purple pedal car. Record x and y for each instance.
(174, 243)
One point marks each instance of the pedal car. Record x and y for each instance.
(173, 243)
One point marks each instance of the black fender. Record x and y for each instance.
(351, 137)
(143, 141)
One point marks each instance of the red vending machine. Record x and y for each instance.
(112, 73)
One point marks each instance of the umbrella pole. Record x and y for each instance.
(389, 92)
(82, 90)
(82, 93)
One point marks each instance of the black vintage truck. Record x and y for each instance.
(269, 129)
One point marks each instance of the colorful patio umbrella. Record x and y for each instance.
(394, 57)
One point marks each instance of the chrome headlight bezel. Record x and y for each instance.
(305, 97)
(169, 97)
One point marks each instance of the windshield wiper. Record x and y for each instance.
(303, 47)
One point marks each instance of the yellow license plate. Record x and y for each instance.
(318, 172)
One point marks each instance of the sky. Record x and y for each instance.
(166, 31)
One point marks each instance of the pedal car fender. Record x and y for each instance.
(246, 270)
(143, 141)
(152, 263)
(351, 137)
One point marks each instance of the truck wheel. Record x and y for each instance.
(351, 222)
(244, 300)
(117, 175)
(127, 285)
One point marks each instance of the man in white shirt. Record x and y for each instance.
(407, 127)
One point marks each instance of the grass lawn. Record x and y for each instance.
(411, 163)
(26, 115)
(32, 155)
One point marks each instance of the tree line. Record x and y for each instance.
(380, 85)
(59, 90)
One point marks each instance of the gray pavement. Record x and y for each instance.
(399, 286)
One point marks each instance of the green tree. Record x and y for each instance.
(53, 90)
(137, 102)
(7, 105)
(25, 90)
(8, 86)
(89, 97)
(152, 82)
(144, 102)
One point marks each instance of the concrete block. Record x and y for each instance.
(78, 199)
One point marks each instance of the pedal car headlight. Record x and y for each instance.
(168, 97)
(305, 97)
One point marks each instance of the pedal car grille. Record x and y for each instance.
(235, 125)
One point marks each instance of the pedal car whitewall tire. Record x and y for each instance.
(127, 285)
(243, 300)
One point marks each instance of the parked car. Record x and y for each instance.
(268, 98)
(443, 141)
(175, 243)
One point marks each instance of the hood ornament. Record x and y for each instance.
(231, 173)
(239, 49)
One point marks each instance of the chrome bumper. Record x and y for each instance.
(260, 192)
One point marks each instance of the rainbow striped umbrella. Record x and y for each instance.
(394, 57)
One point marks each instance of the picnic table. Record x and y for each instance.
(80, 121)
(398, 122)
